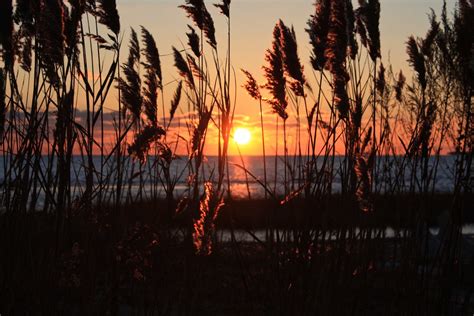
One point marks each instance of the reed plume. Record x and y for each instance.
(399, 86)
(130, 87)
(143, 140)
(251, 86)
(369, 15)
(341, 99)
(363, 167)
(336, 52)
(175, 101)
(194, 10)
(194, 41)
(417, 61)
(274, 73)
(204, 226)
(209, 29)
(165, 153)
(197, 11)
(51, 37)
(278, 109)
(337, 41)
(422, 134)
(351, 29)
(108, 15)
(356, 116)
(150, 97)
(291, 60)
(183, 68)
(428, 119)
(224, 7)
(380, 85)
(134, 47)
(200, 131)
(71, 26)
(153, 76)
(318, 28)
(152, 56)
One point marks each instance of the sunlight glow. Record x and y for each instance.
(242, 136)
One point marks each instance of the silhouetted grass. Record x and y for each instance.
(78, 238)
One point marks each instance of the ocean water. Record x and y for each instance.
(146, 180)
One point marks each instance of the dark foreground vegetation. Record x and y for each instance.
(117, 261)
(300, 258)
(111, 234)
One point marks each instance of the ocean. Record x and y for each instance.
(146, 180)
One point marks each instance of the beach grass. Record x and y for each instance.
(92, 221)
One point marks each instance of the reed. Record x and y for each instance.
(104, 220)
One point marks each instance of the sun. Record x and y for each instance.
(242, 136)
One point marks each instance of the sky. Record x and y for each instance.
(252, 25)
(253, 22)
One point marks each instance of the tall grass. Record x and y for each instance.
(72, 197)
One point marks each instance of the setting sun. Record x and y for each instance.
(242, 136)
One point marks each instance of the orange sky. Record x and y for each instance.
(253, 22)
